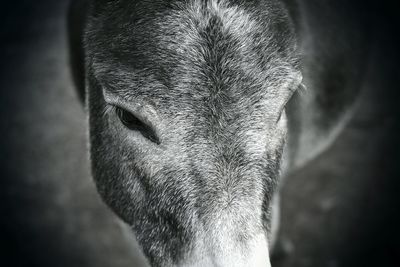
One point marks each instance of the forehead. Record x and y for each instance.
(191, 49)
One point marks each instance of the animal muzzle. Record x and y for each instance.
(222, 247)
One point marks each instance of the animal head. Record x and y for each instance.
(187, 124)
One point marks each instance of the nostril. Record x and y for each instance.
(133, 123)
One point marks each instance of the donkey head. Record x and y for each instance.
(187, 123)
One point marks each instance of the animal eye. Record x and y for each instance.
(131, 122)
(284, 106)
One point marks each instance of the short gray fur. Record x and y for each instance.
(214, 80)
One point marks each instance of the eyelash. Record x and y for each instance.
(131, 122)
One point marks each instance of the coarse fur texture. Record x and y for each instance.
(212, 79)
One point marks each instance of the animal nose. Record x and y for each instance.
(219, 248)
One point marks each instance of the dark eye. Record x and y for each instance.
(133, 123)
(293, 94)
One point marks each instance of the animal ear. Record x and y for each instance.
(76, 20)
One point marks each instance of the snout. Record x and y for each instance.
(223, 244)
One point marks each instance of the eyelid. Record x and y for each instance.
(139, 115)
(143, 112)
(138, 110)
(136, 124)
(292, 91)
